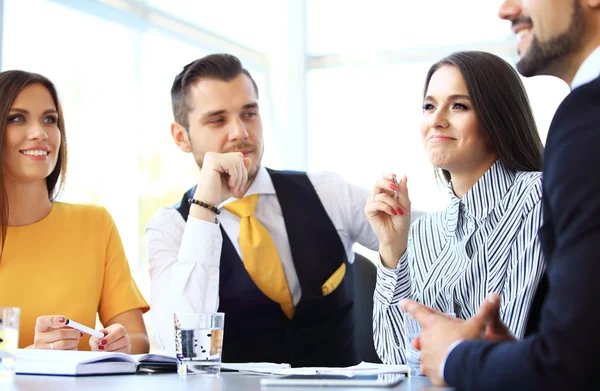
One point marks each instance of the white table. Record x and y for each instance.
(169, 381)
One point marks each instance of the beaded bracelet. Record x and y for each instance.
(212, 208)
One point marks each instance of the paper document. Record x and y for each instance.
(364, 368)
(255, 367)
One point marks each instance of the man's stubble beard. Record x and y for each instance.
(553, 57)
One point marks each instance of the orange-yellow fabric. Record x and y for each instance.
(260, 255)
(72, 263)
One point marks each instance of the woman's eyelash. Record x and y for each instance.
(15, 117)
(20, 118)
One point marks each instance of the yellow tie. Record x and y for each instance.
(260, 255)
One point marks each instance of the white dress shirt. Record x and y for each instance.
(484, 242)
(184, 258)
(589, 70)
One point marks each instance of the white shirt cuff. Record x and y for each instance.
(387, 281)
(201, 242)
(450, 349)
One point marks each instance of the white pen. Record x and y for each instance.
(396, 193)
(85, 329)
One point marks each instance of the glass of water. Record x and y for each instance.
(199, 342)
(9, 341)
(412, 328)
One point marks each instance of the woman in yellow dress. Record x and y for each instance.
(58, 261)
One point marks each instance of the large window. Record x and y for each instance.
(360, 27)
(247, 23)
(93, 63)
(364, 121)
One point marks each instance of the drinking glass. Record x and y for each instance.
(9, 341)
(412, 329)
(199, 342)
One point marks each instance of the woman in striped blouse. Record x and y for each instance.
(479, 133)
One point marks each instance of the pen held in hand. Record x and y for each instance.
(396, 192)
(85, 329)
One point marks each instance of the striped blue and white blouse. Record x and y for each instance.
(485, 242)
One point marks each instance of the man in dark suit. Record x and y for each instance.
(559, 38)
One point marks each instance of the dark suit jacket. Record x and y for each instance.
(565, 352)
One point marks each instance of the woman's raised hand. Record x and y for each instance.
(388, 212)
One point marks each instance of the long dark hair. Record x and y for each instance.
(11, 85)
(502, 108)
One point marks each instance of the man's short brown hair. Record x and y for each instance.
(223, 67)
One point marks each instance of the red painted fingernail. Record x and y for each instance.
(61, 319)
(104, 342)
(393, 187)
(394, 212)
(401, 211)
(81, 333)
(100, 347)
(394, 175)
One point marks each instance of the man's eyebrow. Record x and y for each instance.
(253, 105)
(214, 113)
(209, 114)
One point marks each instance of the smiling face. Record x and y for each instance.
(550, 33)
(32, 136)
(450, 131)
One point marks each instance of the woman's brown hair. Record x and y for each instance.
(502, 108)
(11, 85)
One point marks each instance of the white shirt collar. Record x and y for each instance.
(589, 70)
(262, 185)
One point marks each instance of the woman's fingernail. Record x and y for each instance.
(401, 211)
(104, 342)
(81, 333)
(394, 212)
(393, 187)
(61, 319)
(100, 347)
(394, 175)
